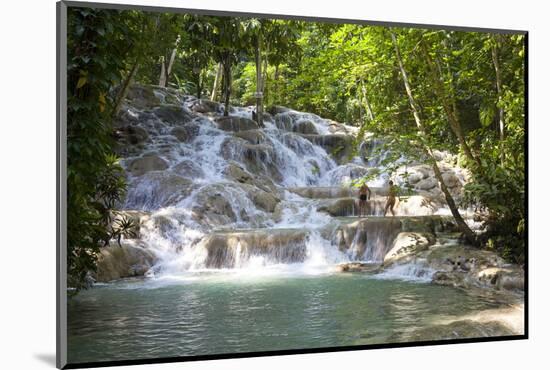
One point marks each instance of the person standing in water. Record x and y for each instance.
(364, 195)
(392, 195)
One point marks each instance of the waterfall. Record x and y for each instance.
(222, 193)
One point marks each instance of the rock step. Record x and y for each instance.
(416, 205)
(364, 239)
(324, 192)
(230, 249)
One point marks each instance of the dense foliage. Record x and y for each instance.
(95, 181)
(466, 95)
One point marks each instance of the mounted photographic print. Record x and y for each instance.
(236, 185)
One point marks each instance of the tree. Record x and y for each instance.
(468, 233)
(227, 45)
(95, 181)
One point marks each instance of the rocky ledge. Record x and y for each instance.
(448, 262)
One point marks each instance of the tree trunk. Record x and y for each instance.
(217, 81)
(170, 65)
(367, 102)
(259, 92)
(264, 78)
(162, 78)
(199, 85)
(449, 106)
(124, 89)
(494, 53)
(227, 82)
(468, 233)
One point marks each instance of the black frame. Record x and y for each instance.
(61, 166)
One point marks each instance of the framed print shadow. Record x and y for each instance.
(236, 185)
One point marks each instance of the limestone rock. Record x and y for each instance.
(130, 259)
(188, 169)
(372, 268)
(340, 207)
(173, 114)
(158, 189)
(252, 136)
(450, 179)
(426, 184)
(276, 109)
(236, 124)
(305, 127)
(143, 97)
(264, 200)
(133, 134)
(142, 165)
(337, 145)
(231, 249)
(258, 158)
(407, 245)
(207, 106)
(235, 172)
(184, 133)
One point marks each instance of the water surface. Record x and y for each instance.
(224, 312)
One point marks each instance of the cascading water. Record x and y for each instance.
(223, 193)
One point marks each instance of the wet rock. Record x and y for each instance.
(305, 127)
(264, 200)
(323, 192)
(157, 189)
(258, 159)
(467, 267)
(428, 224)
(235, 172)
(426, 184)
(140, 166)
(340, 128)
(252, 136)
(143, 97)
(276, 109)
(131, 134)
(417, 205)
(207, 106)
(426, 171)
(268, 117)
(173, 114)
(213, 208)
(234, 249)
(130, 259)
(236, 124)
(414, 178)
(437, 194)
(338, 146)
(188, 169)
(368, 238)
(450, 179)
(507, 278)
(407, 245)
(181, 133)
(340, 207)
(414, 205)
(363, 267)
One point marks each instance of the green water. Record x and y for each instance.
(222, 313)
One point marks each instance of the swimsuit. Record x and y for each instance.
(363, 196)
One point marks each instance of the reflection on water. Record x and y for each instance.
(215, 313)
